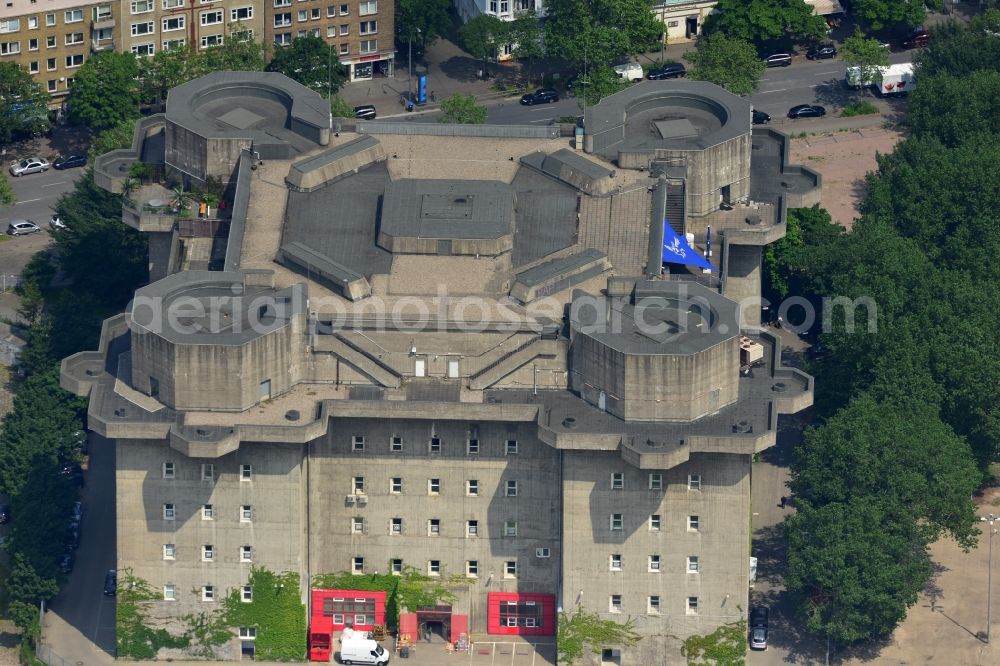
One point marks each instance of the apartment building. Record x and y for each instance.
(459, 354)
(152, 25)
(361, 31)
(52, 39)
(505, 10)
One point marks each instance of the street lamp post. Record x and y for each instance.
(409, 66)
(989, 576)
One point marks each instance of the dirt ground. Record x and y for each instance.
(843, 158)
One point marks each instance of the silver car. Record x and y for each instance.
(29, 165)
(21, 227)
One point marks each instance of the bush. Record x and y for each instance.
(859, 109)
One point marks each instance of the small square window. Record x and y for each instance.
(396, 444)
(331, 11)
(344, 48)
(510, 528)
(615, 562)
(358, 525)
(358, 444)
(510, 489)
(246, 553)
(617, 480)
(208, 593)
(472, 447)
(248, 633)
(358, 565)
(615, 603)
(33, 44)
(246, 472)
(472, 568)
(510, 569)
(434, 567)
(314, 13)
(472, 528)
(434, 527)
(434, 486)
(168, 512)
(50, 42)
(434, 446)
(51, 84)
(472, 488)
(653, 605)
(396, 526)
(654, 564)
(343, 10)
(168, 551)
(511, 447)
(207, 472)
(358, 483)
(656, 481)
(208, 553)
(397, 566)
(168, 470)
(246, 596)
(207, 512)
(169, 592)
(654, 522)
(617, 522)
(396, 485)
(694, 523)
(692, 605)
(246, 513)
(692, 564)
(694, 481)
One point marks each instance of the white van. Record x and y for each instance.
(631, 71)
(363, 651)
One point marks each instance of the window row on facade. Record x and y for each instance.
(364, 8)
(616, 522)
(208, 472)
(654, 563)
(434, 444)
(211, 593)
(654, 604)
(436, 568)
(209, 512)
(433, 527)
(208, 553)
(434, 486)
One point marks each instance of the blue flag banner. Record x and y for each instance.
(677, 251)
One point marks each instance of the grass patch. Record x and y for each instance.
(859, 109)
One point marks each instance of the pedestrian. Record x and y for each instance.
(779, 322)
(432, 97)
(783, 501)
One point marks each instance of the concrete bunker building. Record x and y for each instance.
(457, 351)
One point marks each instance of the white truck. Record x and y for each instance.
(359, 650)
(630, 71)
(891, 80)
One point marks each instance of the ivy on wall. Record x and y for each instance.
(584, 631)
(276, 612)
(133, 638)
(726, 646)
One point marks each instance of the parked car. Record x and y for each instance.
(540, 96)
(917, 39)
(4, 514)
(70, 162)
(66, 563)
(110, 583)
(806, 111)
(29, 165)
(56, 223)
(22, 227)
(822, 52)
(671, 70)
(758, 627)
(760, 118)
(630, 71)
(365, 112)
(72, 540)
(73, 472)
(778, 60)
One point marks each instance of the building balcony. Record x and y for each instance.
(103, 22)
(98, 45)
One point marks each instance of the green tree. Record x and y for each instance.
(582, 631)
(26, 588)
(463, 110)
(167, 69)
(887, 13)
(599, 32)
(866, 54)
(933, 112)
(728, 62)
(599, 82)
(425, 20)
(105, 91)
(764, 22)
(526, 39)
(7, 196)
(112, 138)
(23, 103)
(483, 36)
(312, 62)
(235, 54)
(340, 108)
(957, 50)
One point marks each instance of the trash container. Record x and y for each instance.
(404, 653)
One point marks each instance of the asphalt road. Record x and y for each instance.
(804, 82)
(36, 195)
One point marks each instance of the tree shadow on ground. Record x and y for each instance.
(834, 93)
(788, 437)
(770, 547)
(463, 68)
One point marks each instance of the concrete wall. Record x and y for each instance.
(721, 545)
(743, 281)
(536, 508)
(275, 532)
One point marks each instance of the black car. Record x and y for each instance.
(778, 60)
(541, 96)
(4, 514)
(365, 112)
(66, 563)
(73, 472)
(110, 583)
(758, 628)
(917, 38)
(671, 70)
(760, 118)
(822, 52)
(806, 111)
(70, 162)
(72, 540)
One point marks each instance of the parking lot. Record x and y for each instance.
(484, 653)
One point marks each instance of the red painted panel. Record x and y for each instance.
(459, 626)
(320, 638)
(408, 627)
(362, 609)
(521, 614)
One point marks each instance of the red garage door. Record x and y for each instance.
(521, 614)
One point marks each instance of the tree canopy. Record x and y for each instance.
(23, 103)
(426, 20)
(105, 90)
(728, 62)
(765, 22)
(866, 54)
(312, 62)
(483, 36)
(887, 13)
(599, 32)
(462, 109)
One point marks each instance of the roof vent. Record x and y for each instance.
(779, 387)
(569, 423)
(292, 415)
(742, 427)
